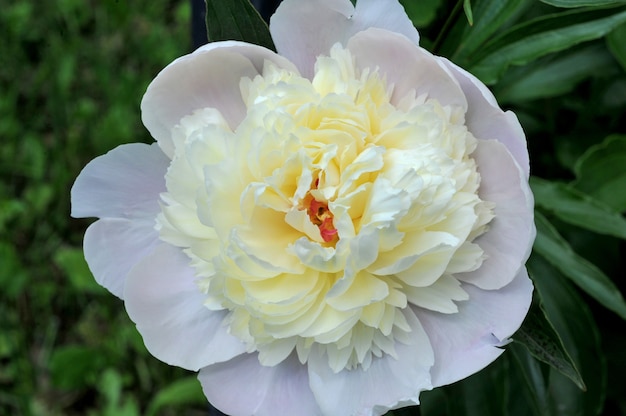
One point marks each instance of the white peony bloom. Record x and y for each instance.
(325, 231)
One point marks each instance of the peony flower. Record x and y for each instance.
(329, 230)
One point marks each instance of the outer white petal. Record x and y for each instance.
(509, 238)
(208, 77)
(387, 384)
(467, 341)
(113, 246)
(124, 183)
(486, 120)
(303, 30)
(243, 387)
(168, 308)
(406, 66)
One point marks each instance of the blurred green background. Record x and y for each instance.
(72, 74)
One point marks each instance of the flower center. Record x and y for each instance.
(327, 212)
(320, 215)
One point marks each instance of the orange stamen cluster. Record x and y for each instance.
(320, 215)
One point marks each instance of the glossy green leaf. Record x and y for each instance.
(552, 247)
(467, 8)
(601, 172)
(617, 44)
(421, 13)
(576, 208)
(528, 41)
(552, 75)
(236, 20)
(180, 392)
(583, 3)
(489, 16)
(543, 343)
(482, 394)
(532, 385)
(573, 321)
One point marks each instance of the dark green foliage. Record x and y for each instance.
(236, 20)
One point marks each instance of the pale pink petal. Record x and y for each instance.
(243, 387)
(486, 120)
(509, 238)
(387, 384)
(163, 300)
(113, 246)
(467, 341)
(124, 183)
(303, 30)
(406, 66)
(208, 77)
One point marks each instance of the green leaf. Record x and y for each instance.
(582, 3)
(616, 40)
(552, 75)
(571, 318)
(13, 278)
(236, 20)
(432, 403)
(540, 339)
(551, 246)
(531, 381)
(601, 173)
(74, 366)
(576, 208)
(111, 386)
(482, 394)
(184, 391)
(488, 16)
(421, 13)
(467, 8)
(528, 41)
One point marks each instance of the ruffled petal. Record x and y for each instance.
(509, 238)
(467, 341)
(487, 121)
(243, 387)
(165, 303)
(124, 183)
(303, 30)
(207, 78)
(113, 246)
(387, 384)
(406, 67)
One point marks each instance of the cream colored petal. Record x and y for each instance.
(303, 30)
(467, 341)
(243, 386)
(358, 392)
(509, 238)
(486, 120)
(208, 77)
(162, 298)
(406, 67)
(438, 297)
